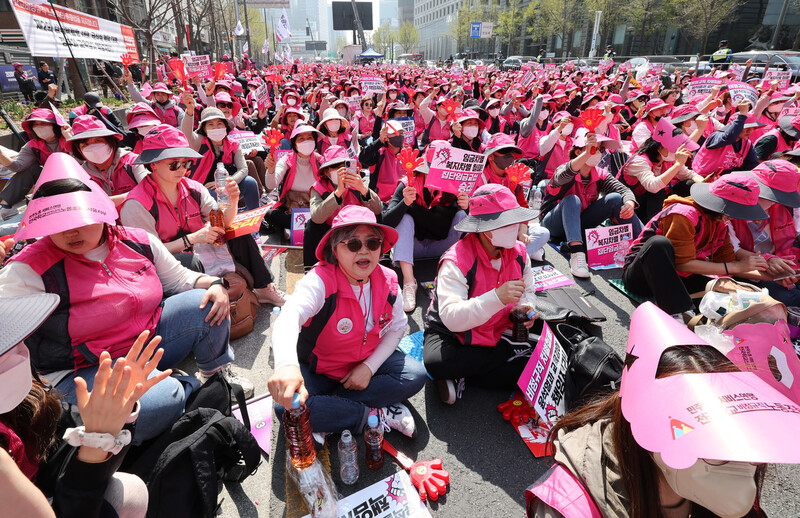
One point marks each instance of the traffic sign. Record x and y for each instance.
(475, 30)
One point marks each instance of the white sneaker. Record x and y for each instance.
(578, 265)
(538, 256)
(409, 297)
(451, 390)
(234, 379)
(398, 417)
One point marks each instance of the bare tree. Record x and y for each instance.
(147, 17)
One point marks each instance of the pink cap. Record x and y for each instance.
(62, 212)
(580, 140)
(147, 90)
(778, 174)
(162, 142)
(223, 97)
(334, 155)
(501, 142)
(87, 126)
(40, 115)
(301, 127)
(357, 215)
(704, 415)
(161, 87)
(653, 104)
(140, 109)
(663, 134)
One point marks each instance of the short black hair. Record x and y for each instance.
(60, 186)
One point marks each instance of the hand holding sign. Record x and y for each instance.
(178, 68)
(517, 410)
(518, 173)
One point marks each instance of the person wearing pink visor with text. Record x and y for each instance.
(111, 281)
(688, 434)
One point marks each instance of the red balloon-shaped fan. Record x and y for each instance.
(409, 160)
(272, 139)
(591, 119)
(518, 173)
(450, 106)
(127, 60)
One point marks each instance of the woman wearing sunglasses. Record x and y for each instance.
(176, 209)
(364, 121)
(335, 341)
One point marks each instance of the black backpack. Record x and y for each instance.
(183, 468)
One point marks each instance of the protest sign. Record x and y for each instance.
(625, 66)
(199, 66)
(247, 140)
(784, 77)
(261, 96)
(605, 64)
(603, 242)
(649, 81)
(736, 71)
(391, 497)
(454, 170)
(8, 82)
(260, 412)
(544, 378)
(269, 252)
(299, 219)
(527, 79)
(353, 103)
(741, 91)
(88, 36)
(655, 68)
(246, 222)
(280, 153)
(409, 129)
(546, 277)
(550, 67)
(534, 434)
(372, 84)
(792, 111)
(702, 85)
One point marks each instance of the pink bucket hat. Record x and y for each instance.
(735, 195)
(466, 115)
(653, 104)
(38, 115)
(53, 214)
(301, 127)
(87, 126)
(493, 206)
(779, 181)
(161, 87)
(162, 142)
(790, 126)
(712, 416)
(357, 215)
(683, 113)
(334, 155)
(501, 142)
(608, 143)
(141, 115)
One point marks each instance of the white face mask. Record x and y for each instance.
(97, 153)
(567, 130)
(470, 132)
(334, 177)
(593, 160)
(307, 147)
(144, 130)
(493, 112)
(543, 114)
(690, 128)
(15, 371)
(342, 112)
(44, 132)
(217, 134)
(291, 101)
(774, 108)
(670, 157)
(333, 126)
(392, 96)
(728, 490)
(505, 237)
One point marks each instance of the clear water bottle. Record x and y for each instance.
(536, 204)
(373, 441)
(619, 255)
(348, 458)
(220, 181)
(276, 312)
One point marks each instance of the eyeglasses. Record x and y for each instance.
(367, 105)
(372, 244)
(224, 105)
(177, 164)
(723, 462)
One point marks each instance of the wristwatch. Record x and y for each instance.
(222, 281)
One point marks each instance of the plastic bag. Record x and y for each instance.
(715, 337)
(217, 260)
(316, 487)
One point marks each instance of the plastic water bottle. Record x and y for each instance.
(373, 440)
(536, 204)
(619, 255)
(276, 312)
(297, 428)
(348, 458)
(220, 181)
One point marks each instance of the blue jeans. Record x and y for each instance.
(408, 247)
(568, 221)
(334, 408)
(182, 330)
(789, 296)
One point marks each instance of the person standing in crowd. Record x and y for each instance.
(722, 57)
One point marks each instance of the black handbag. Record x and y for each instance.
(594, 368)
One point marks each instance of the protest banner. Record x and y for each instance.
(409, 129)
(546, 277)
(649, 81)
(353, 103)
(7, 81)
(391, 497)
(792, 111)
(550, 67)
(527, 79)
(603, 242)
(543, 380)
(784, 78)
(736, 71)
(246, 222)
(199, 66)
(454, 170)
(372, 84)
(260, 412)
(625, 66)
(702, 85)
(605, 64)
(299, 219)
(534, 435)
(741, 91)
(261, 96)
(89, 36)
(655, 68)
(247, 140)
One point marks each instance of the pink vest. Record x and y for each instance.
(335, 339)
(341, 140)
(41, 150)
(170, 224)
(201, 170)
(474, 262)
(488, 176)
(103, 307)
(16, 448)
(530, 144)
(562, 491)
(781, 226)
(419, 123)
(724, 158)
(757, 133)
(588, 194)
(168, 115)
(365, 124)
(388, 175)
(634, 145)
(438, 131)
(782, 145)
(558, 156)
(291, 171)
(325, 188)
(122, 179)
(719, 232)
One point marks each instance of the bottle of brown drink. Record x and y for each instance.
(373, 440)
(217, 219)
(519, 315)
(297, 428)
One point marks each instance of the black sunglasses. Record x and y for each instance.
(224, 105)
(372, 244)
(177, 164)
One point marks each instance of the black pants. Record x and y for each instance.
(650, 204)
(20, 184)
(500, 366)
(311, 237)
(652, 274)
(279, 218)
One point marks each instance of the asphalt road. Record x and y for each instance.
(489, 465)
